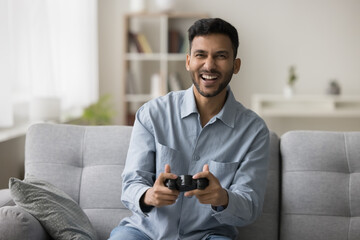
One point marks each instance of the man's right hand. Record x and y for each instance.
(159, 195)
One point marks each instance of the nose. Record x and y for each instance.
(209, 63)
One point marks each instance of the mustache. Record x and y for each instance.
(211, 71)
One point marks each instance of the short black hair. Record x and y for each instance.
(208, 26)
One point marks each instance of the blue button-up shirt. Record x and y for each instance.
(234, 143)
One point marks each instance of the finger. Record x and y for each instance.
(206, 168)
(167, 172)
(189, 193)
(173, 195)
(160, 181)
(167, 168)
(161, 192)
(202, 174)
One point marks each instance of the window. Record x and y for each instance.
(50, 51)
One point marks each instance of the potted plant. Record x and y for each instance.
(98, 113)
(289, 88)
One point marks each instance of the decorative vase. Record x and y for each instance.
(165, 5)
(289, 91)
(45, 109)
(137, 6)
(333, 88)
(155, 85)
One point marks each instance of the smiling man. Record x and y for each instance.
(203, 132)
(211, 63)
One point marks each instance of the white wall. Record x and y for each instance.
(320, 37)
(12, 157)
(110, 15)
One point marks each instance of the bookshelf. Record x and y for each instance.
(154, 56)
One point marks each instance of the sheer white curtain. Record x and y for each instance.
(52, 52)
(5, 69)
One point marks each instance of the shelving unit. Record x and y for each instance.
(147, 74)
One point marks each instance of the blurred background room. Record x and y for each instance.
(96, 61)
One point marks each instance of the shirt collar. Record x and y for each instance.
(229, 110)
(189, 105)
(226, 115)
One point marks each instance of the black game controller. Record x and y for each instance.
(186, 183)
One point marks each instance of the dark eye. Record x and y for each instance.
(199, 55)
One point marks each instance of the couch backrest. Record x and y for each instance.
(86, 162)
(266, 227)
(320, 185)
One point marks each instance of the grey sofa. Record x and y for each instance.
(313, 189)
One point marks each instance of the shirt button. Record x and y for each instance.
(197, 158)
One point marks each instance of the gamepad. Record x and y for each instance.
(186, 183)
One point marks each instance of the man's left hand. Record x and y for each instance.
(213, 194)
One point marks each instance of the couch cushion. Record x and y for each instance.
(320, 185)
(60, 215)
(86, 162)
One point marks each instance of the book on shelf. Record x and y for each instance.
(176, 41)
(133, 41)
(130, 119)
(140, 41)
(185, 47)
(144, 43)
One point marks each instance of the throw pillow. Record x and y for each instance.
(57, 212)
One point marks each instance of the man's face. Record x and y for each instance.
(211, 63)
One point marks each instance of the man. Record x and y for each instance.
(202, 131)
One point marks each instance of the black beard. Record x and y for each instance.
(219, 90)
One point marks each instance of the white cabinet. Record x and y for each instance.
(306, 106)
(154, 59)
(308, 112)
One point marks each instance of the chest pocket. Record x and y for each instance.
(167, 155)
(223, 171)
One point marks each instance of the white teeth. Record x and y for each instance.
(208, 77)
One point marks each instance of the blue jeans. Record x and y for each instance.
(129, 233)
(217, 237)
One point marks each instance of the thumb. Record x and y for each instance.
(167, 168)
(206, 168)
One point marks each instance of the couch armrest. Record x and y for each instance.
(5, 198)
(16, 223)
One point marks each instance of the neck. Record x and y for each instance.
(208, 107)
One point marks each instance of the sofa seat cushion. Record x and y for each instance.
(60, 215)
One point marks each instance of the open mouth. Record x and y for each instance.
(209, 77)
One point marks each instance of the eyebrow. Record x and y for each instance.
(223, 52)
(200, 51)
(218, 52)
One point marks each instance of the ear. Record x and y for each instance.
(237, 64)
(187, 64)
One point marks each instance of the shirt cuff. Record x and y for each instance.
(143, 210)
(218, 208)
(222, 213)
